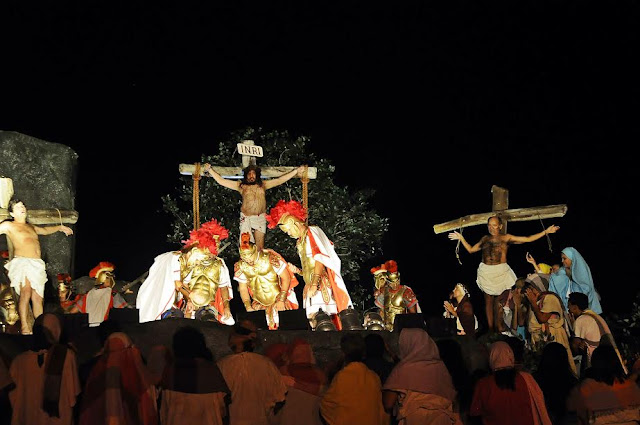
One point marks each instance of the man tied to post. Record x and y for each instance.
(26, 268)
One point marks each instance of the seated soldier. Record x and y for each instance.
(101, 298)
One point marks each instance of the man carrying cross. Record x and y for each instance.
(254, 203)
(494, 275)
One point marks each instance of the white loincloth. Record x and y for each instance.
(495, 279)
(248, 223)
(30, 268)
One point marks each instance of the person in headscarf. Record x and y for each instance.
(508, 396)
(419, 389)
(574, 276)
(306, 385)
(193, 388)
(606, 391)
(45, 377)
(118, 389)
(257, 388)
(354, 395)
(466, 321)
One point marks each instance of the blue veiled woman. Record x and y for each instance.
(574, 277)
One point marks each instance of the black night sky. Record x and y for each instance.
(430, 103)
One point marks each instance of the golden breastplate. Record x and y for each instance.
(308, 263)
(262, 280)
(393, 304)
(205, 277)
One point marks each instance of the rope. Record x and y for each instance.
(458, 245)
(305, 190)
(196, 197)
(545, 233)
(60, 216)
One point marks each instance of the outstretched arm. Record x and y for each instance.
(532, 261)
(467, 245)
(268, 184)
(231, 184)
(531, 238)
(52, 229)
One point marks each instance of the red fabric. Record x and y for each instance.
(302, 368)
(276, 352)
(499, 406)
(118, 389)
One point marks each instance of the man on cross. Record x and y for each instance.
(254, 203)
(27, 269)
(494, 275)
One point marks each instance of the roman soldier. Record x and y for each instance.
(101, 298)
(324, 287)
(193, 282)
(264, 281)
(390, 295)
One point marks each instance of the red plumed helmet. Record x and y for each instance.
(103, 266)
(281, 208)
(391, 266)
(208, 235)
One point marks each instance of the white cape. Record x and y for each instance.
(157, 293)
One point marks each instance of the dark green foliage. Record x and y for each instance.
(345, 216)
(625, 328)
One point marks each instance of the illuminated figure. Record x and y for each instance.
(390, 295)
(324, 287)
(193, 283)
(264, 281)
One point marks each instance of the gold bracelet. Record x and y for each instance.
(281, 296)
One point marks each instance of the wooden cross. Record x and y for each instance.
(236, 172)
(500, 208)
(40, 217)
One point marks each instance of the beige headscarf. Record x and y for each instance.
(501, 356)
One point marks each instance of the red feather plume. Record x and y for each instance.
(282, 207)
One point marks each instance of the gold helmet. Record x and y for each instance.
(247, 249)
(103, 273)
(64, 286)
(379, 276)
(287, 215)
